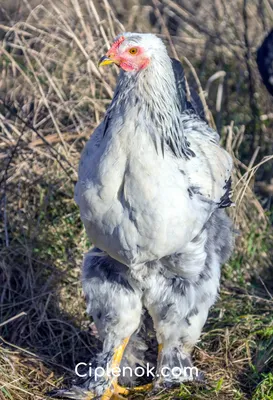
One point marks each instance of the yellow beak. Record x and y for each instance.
(105, 61)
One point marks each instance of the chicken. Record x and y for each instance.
(265, 61)
(153, 182)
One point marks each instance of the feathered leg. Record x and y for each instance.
(115, 305)
(179, 304)
(114, 302)
(178, 327)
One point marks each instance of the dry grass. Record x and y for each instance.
(52, 96)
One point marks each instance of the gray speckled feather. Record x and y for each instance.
(133, 198)
(152, 180)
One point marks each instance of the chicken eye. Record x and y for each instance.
(133, 51)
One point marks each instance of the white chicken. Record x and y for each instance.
(152, 181)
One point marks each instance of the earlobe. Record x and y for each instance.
(145, 63)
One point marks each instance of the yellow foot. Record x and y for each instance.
(118, 353)
(118, 392)
(115, 392)
(142, 388)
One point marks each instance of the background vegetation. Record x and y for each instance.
(52, 95)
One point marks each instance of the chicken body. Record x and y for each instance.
(152, 181)
(140, 201)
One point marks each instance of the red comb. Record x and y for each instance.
(117, 43)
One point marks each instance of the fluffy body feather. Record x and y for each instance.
(152, 178)
(142, 193)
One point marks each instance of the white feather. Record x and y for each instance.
(134, 199)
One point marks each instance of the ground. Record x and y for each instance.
(52, 95)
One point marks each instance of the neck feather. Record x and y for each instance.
(152, 95)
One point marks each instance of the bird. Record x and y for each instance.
(153, 185)
(265, 61)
